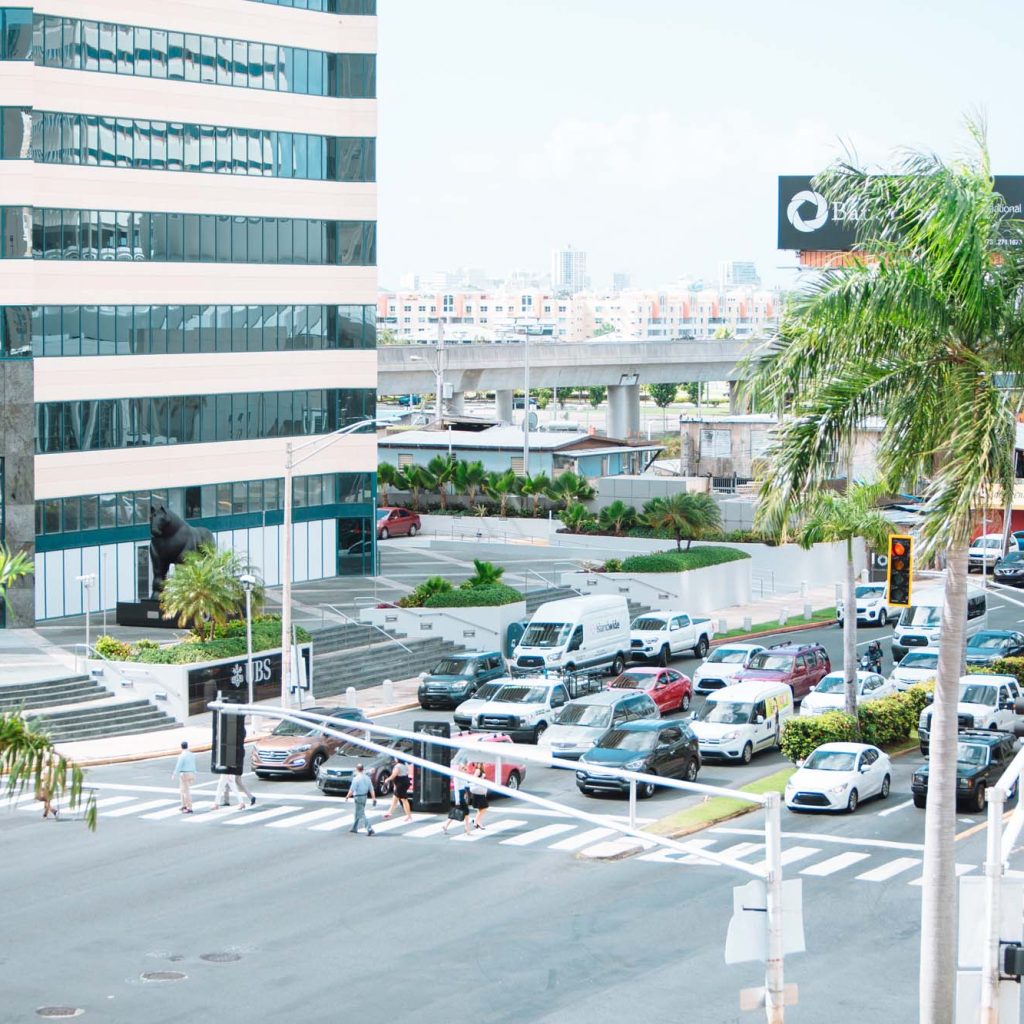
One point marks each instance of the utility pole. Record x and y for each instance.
(526, 402)
(439, 372)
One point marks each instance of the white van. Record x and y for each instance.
(742, 719)
(579, 632)
(919, 624)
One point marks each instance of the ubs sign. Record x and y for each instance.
(228, 678)
(807, 220)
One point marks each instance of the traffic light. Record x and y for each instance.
(898, 570)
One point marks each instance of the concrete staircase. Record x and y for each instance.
(50, 693)
(102, 720)
(538, 597)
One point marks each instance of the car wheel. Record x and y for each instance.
(513, 780)
(748, 753)
(664, 656)
(383, 535)
(851, 804)
(920, 801)
(883, 619)
(583, 790)
(645, 790)
(691, 770)
(884, 791)
(539, 731)
(618, 664)
(979, 798)
(702, 647)
(314, 765)
(412, 530)
(383, 787)
(684, 704)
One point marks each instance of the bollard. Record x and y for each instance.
(783, 616)
(388, 688)
(723, 626)
(808, 614)
(748, 624)
(350, 697)
(803, 588)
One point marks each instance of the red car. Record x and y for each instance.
(396, 522)
(512, 771)
(669, 689)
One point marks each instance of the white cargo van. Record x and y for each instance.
(577, 633)
(919, 624)
(742, 719)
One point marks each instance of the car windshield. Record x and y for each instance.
(632, 681)
(523, 694)
(648, 623)
(357, 750)
(921, 615)
(988, 642)
(488, 690)
(293, 729)
(988, 542)
(977, 693)
(382, 513)
(1014, 556)
(626, 739)
(473, 757)
(868, 592)
(451, 667)
(920, 660)
(545, 634)
(727, 713)
(727, 656)
(772, 662)
(831, 761)
(971, 753)
(597, 716)
(830, 684)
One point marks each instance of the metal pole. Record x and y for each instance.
(439, 373)
(88, 595)
(526, 403)
(993, 884)
(248, 641)
(103, 579)
(632, 803)
(286, 581)
(774, 985)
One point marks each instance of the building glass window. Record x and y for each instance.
(16, 33)
(368, 7)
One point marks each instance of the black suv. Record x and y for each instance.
(981, 757)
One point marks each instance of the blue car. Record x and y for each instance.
(409, 399)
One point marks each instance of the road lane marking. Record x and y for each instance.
(538, 834)
(107, 801)
(893, 810)
(961, 869)
(834, 864)
(332, 826)
(433, 829)
(790, 856)
(135, 808)
(389, 824)
(814, 837)
(738, 850)
(257, 817)
(488, 830)
(889, 870)
(583, 839)
(303, 819)
(159, 815)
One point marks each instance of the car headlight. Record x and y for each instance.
(635, 766)
(979, 720)
(964, 783)
(581, 775)
(555, 657)
(302, 749)
(838, 790)
(920, 778)
(726, 737)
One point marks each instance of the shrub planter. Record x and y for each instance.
(476, 628)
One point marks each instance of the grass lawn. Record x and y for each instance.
(719, 808)
(821, 617)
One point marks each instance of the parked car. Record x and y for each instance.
(468, 708)
(396, 522)
(519, 402)
(838, 776)
(409, 400)
(990, 645)
(669, 689)
(920, 624)
(722, 665)
(335, 774)
(299, 750)
(915, 667)
(590, 632)
(513, 772)
(800, 666)
(984, 552)
(578, 725)
(521, 708)
(830, 693)
(871, 607)
(659, 636)
(981, 758)
(649, 746)
(742, 719)
(1010, 569)
(986, 702)
(457, 677)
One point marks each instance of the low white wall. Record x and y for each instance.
(147, 681)
(478, 628)
(698, 591)
(488, 528)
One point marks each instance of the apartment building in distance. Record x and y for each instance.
(188, 212)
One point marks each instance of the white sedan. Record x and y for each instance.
(915, 667)
(830, 695)
(722, 665)
(837, 776)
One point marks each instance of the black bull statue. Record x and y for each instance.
(170, 539)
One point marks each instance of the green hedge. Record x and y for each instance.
(1002, 667)
(483, 596)
(882, 722)
(682, 561)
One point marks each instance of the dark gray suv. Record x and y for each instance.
(457, 677)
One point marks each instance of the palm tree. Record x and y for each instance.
(486, 574)
(617, 517)
(440, 470)
(569, 487)
(534, 487)
(830, 518)
(500, 487)
(206, 587)
(387, 476)
(914, 332)
(575, 517)
(468, 478)
(686, 516)
(413, 479)
(12, 568)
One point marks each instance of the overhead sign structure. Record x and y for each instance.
(808, 221)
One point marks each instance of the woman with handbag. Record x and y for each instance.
(399, 779)
(478, 794)
(460, 805)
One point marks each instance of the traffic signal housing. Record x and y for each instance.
(898, 570)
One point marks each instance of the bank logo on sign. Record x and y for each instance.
(796, 215)
(237, 675)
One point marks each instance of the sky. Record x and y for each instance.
(651, 133)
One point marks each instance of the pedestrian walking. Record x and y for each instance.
(399, 779)
(225, 784)
(185, 769)
(478, 793)
(460, 805)
(360, 788)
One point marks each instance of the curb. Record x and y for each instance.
(771, 632)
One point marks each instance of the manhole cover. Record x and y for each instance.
(220, 958)
(164, 976)
(57, 1012)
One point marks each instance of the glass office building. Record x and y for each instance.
(188, 248)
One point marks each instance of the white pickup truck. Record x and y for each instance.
(986, 702)
(659, 636)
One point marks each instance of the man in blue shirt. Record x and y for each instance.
(185, 769)
(360, 788)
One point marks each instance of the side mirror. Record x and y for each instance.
(929, 698)
(694, 716)
(864, 767)
(759, 720)
(423, 675)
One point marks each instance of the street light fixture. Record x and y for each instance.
(248, 582)
(88, 581)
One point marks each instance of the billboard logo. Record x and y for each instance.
(795, 215)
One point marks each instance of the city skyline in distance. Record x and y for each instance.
(653, 140)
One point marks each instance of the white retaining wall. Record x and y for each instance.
(477, 628)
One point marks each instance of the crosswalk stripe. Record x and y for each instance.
(489, 830)
(695, 858)
(391, 824)
(433, 829)
(584, 839)
(160, 815)
(107, 801)
(303, 819)
(889, 870)
(961, 869)
(663, 856)
(135, 808)
(738, 850)
(790, 856)
(341, 821)
(834, 864)
(257, 817)
(537, 835)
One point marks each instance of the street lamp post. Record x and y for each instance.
(316, 445)
(526, 403)
(87, 580)
(248, 581)
(439, 373)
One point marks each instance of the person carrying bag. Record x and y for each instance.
(459, 810)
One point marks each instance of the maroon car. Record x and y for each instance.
(802, 666)
(396, 522)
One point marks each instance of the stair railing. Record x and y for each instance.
(356, 622)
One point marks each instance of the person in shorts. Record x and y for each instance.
(399, 779)
(478, 796)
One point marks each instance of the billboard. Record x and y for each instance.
(808, 221)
